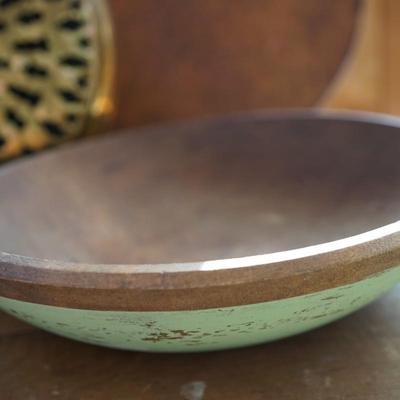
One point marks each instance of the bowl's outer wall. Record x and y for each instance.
(201, 330)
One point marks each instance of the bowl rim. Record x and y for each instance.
(214, 283)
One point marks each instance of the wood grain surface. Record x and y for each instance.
(227, 187)
(221, 188)
(357, 358)
(182, 59)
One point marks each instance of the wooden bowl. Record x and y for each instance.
(204, 235)
(67, 67)
(179, 59)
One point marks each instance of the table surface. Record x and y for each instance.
(357, 358)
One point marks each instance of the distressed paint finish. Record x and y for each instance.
(203, 330)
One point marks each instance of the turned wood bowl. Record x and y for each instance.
(204, 235)
(177, 59)
(67, 67)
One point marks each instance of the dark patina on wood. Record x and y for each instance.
(144, 220)
(179, 59)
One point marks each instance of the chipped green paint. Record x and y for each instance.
(201, 330)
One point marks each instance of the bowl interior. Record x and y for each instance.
(199, 191)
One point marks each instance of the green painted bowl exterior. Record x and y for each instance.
(204, 330)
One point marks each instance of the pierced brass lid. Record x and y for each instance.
(56, 71)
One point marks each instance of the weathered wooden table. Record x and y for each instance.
(357, 358)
